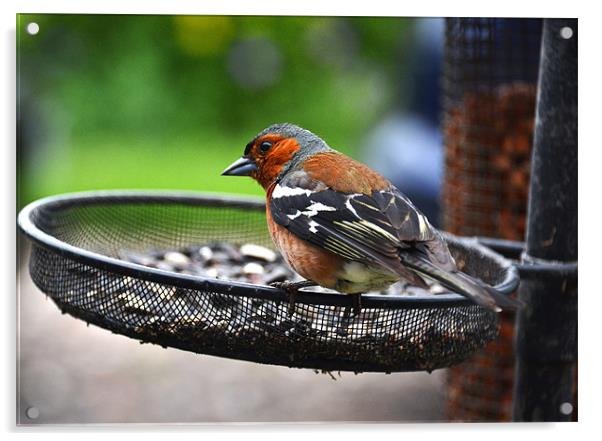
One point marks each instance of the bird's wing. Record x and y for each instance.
(369, 228)
(382, 228)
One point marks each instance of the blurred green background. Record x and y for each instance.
(167, 102)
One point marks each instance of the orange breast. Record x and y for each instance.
(309, 261)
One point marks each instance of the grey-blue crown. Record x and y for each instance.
(309, 142)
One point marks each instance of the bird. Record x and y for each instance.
(342, 225)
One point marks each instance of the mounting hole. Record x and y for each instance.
(566, 32)
(566, 408)
(33, 28)
(32, 413)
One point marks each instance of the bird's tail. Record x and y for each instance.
(462, 283)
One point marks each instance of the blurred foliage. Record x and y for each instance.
(132, 101)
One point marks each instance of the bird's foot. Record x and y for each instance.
(348, 317)
(292, 288)
(356, 301)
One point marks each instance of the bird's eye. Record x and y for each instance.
(265, 146)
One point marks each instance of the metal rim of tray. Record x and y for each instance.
(506, 286)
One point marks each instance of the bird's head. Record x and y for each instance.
(274, 151)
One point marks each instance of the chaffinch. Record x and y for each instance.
(342, 225)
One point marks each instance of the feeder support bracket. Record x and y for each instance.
(546, 337)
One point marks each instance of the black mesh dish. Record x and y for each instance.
(77, 240)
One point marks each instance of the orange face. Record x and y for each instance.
(264, 158)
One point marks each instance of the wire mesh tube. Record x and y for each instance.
(489, 81)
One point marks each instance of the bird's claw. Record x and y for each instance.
(357, 303)
(356, 308)
(292, 288)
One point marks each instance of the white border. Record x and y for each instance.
(306, 7)
(589, 216)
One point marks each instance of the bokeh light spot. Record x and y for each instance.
(200, 36)
(255, 63)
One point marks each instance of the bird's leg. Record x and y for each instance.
(357, 303)
(356, 300)
(292, 288)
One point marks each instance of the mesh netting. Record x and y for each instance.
(489, 96)
(232, 319)
(490, 83)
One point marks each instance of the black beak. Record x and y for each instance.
(240, 167)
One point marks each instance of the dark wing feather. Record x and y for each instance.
(382, 228)
(365, 228)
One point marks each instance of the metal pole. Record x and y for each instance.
(546, 341)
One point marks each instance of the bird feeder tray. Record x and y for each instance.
(77, 258)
